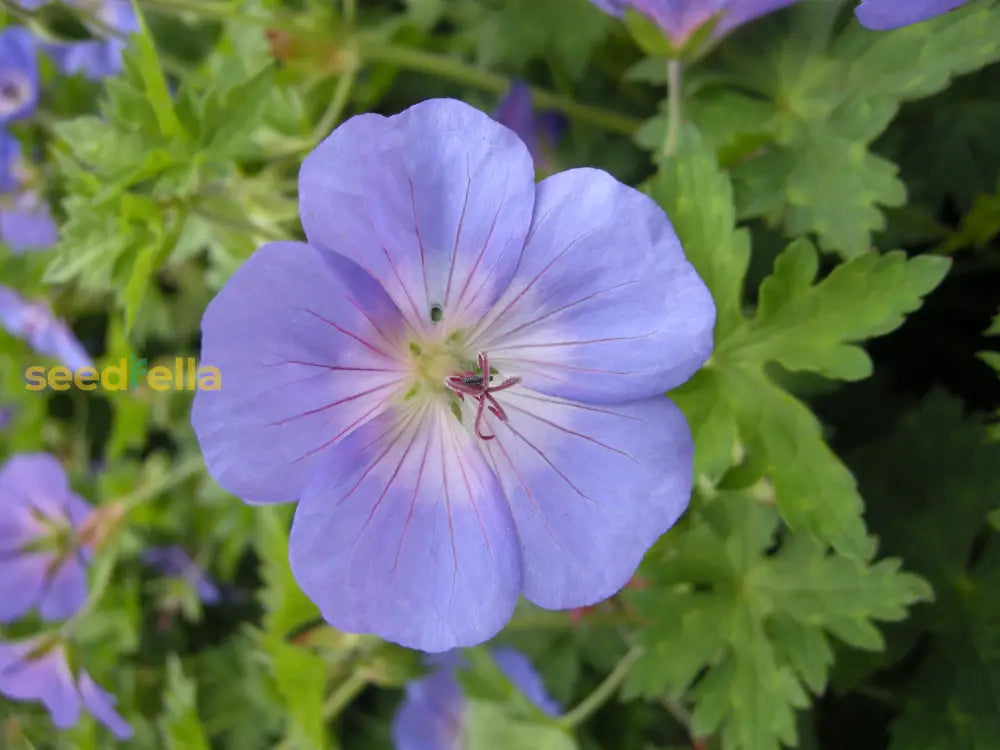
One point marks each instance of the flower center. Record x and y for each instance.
(481, 386)
(13, 94)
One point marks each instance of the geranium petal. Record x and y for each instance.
(739, 12)
(22, 578)
(404, 534)
(28, 225)
(522, 673)
(590, 488)
(882, 15)
(64, 591)
(101, 705)
(435, 202)
(306, 344)
(604, 306)
(45, 678)
(37, 482)
(430, 717)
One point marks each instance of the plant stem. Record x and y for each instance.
(675, 95)
(457, 70)
(602, 692)
(333, 113)
(344, 693)
(677, 709)
(97, 589)
(349, 11)
(184, 471)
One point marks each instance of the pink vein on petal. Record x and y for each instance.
(563, 308)
(363, 342)
(388, 485)
(564, 366)
(458, 233)
(468, 489)
(332, 404)
(568, 431)
(420, 241)
(392, 263)
(339, 435)
(524, 486)
(584, 342)
(371, 321)
(585, 407)
(447, 504)
(547, 460)
(336, 368)
(413, 502)
(524, 290)
(479, 258)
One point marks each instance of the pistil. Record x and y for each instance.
(479, 385)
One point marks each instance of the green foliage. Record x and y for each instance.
(149, 172)
(299, 674)
(181, 727)
(516, 32)
(809, 104)
(932, 482)
(745, 631)
(800, 325)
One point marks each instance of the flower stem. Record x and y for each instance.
(101, 580)
(675, 83)
(184, 471)
(344, 693)
(602, 692)
(445, 66)
(333, 113)
(349, 11)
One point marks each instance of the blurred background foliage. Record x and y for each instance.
(836, 581)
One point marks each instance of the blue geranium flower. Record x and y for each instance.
(432, 716)
(539, 131)
(26, 221)
(101, 57)
(679, 19)
(44, 332)
(43, 562)
(18, 74)
(176, 562)
(38, 670)
(460, 377)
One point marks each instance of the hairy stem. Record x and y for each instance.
(445, 66)
(602, 692)
(675, 83)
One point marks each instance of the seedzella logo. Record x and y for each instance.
(127, 375)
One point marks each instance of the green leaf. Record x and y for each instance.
(835, 189)
(933, 482)
(147, 63)
(488, 726)
(698, 198)
(515, 32)
(745, 631)
(138, 281)
(180, 725)
(300, 674)
(829, 100)
(814, 327)
(236, 112)
(736, 412)
(647, 35)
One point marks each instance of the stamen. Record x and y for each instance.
(480, 387)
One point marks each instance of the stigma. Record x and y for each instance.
(480, 386)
